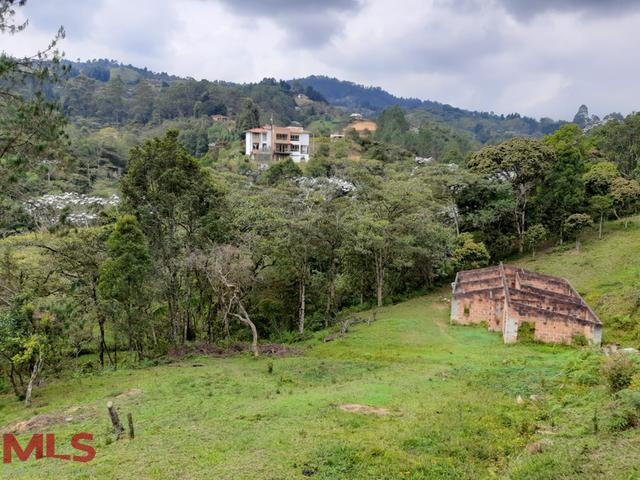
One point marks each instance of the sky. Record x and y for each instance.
(542, 58)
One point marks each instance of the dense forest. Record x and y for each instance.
(134, 223)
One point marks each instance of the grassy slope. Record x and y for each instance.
(451, 391)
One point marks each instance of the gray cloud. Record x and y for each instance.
(525, 10)
(307, 23)
(49, 16)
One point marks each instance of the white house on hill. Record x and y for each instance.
(278, 143)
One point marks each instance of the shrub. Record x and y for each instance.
(579, 340)
(618, 370)
(585, 369)
(526, 332)
(625, 411)
(635, 382)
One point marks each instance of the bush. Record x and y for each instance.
(526, 332)
(579, 340)
(618, 370)
(585, 369)
(625, 412)
(635, 382)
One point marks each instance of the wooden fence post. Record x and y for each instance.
(115, 420)
(130, 421)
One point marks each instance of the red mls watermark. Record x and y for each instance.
(44, 446)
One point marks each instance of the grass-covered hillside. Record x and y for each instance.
(447, 402)
(606, 272)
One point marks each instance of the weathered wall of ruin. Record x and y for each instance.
(478, 306)
(504, 297)
(552, 327)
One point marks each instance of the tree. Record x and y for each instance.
(626, 196)
(77, 97)
(248, 118)
(33, 332)
(31, 126)
(520, 161)
(601, 205)
(619, 142)
(469, 254)
(575, 224)
(110, 100)
(535, 236)
(563, 191)
(77, 257)
(179, 208)
(231, 272)
(599, 178)
(380, 236)
(123, 277)
(392, 125)
(282, 170)
(142, 102)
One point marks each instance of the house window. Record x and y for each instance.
(281, 136)
(303, 149)
(295, 138)
(295, 148)
(264, 137)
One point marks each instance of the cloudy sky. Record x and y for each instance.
(536, 57)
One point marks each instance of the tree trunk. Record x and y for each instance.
(34, 375)
(17, 389)
(244, 318)
(102, 342)
(301, 311)
(379, 278)
(330, 297)
(456, 222)
(172, 320)
(600, 226)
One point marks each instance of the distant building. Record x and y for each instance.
(278, 143)
(356, 116)
(220, 118)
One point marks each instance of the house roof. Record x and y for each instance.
(278, 129)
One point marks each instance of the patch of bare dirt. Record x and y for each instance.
(42, 421)
(357, 408)
(272, 349)
(134, 392)
(538, 447)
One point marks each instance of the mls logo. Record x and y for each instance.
(44, 445)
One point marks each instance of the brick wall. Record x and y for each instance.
(505, 296)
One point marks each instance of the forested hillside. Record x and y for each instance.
(484, 126)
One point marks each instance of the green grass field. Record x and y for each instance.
(451, 393)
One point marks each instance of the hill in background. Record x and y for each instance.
(485, 126)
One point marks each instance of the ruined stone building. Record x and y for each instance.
(507, 297)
